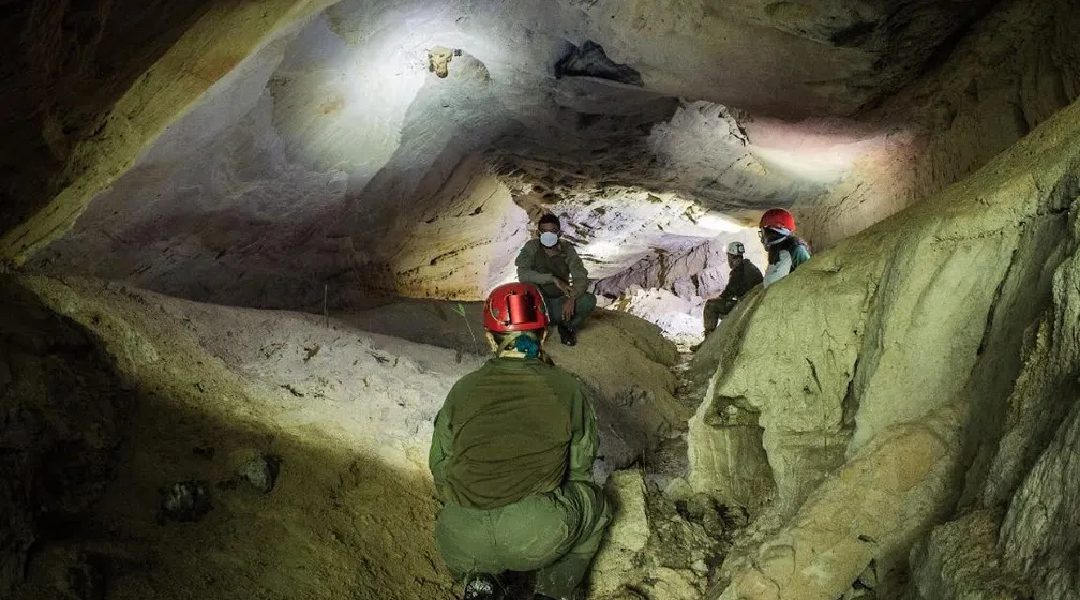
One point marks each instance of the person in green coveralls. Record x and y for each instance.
(553, 265)
(512, 456)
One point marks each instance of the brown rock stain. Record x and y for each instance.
(332, 106)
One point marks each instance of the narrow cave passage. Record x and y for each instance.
(244, 248)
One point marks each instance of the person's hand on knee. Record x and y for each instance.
(568, 309)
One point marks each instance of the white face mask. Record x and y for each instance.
(549, 239)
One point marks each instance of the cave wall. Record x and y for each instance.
(324, 158)
(947, 336)
(1010, 71)
(904, 377)
(317, 180)
(135, 115)
(222, 213)
(1017, 519)
(346, 415)
(65, 66)
(63, 412)
(449, 250)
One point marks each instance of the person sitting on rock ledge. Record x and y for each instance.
(786, 252)
(744, 276)
(512, 456)
(555, 267)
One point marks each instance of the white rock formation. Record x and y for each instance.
(680, 319)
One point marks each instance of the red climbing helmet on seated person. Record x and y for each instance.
(515, 307)
(779, 219)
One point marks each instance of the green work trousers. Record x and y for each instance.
(586, 303)
(716, 309)
(555, 534)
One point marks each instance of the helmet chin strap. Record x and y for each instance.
(782, 231)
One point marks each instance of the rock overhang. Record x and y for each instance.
(327, 141)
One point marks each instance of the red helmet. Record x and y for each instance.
(515, 307)
(778, 218)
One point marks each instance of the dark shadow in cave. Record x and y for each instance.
(338, 524)
(64, 66)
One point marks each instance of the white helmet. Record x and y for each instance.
(736, 249)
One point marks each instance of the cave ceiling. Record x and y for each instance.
(369, 142)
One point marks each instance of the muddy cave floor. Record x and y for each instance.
(346, 407)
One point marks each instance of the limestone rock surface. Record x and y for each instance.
(652, 549)
(929, 325)
(62, 415)
(270, 151)
(960, 560)
(1012, 70)
(349, 414)
(867, 514)
(1023, 492)
(904, 407)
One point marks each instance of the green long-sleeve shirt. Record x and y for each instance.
(536, 266)
(513, 428)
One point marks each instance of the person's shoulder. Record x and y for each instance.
(469, 380)
(532, 244)
(561, 378)
(749, 265)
